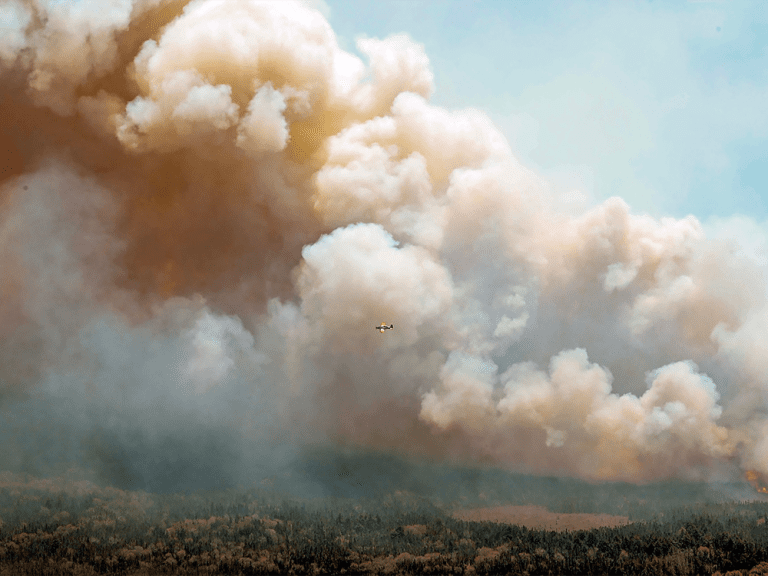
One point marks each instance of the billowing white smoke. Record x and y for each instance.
(573, 408)
(208, 206)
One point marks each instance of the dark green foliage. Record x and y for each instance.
(258, 532)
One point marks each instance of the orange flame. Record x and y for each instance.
(757, 481)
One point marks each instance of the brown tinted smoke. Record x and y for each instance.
(207, 206)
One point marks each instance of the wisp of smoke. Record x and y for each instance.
(206, 206)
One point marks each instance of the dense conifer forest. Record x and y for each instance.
(54, 527)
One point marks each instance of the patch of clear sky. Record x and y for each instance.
(504, 56)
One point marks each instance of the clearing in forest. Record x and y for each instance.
(540, 518)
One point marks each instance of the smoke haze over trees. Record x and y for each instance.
(61, 526)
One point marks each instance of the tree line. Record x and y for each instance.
(257, 532)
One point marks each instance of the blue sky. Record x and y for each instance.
(662, 103)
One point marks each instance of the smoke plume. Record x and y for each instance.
(207, 206)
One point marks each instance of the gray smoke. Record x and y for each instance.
(207, 206)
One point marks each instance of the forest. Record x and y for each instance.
(52, 527)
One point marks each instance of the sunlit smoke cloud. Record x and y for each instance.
(208, 206)
(574, 406)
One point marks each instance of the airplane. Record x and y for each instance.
(384, 327)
